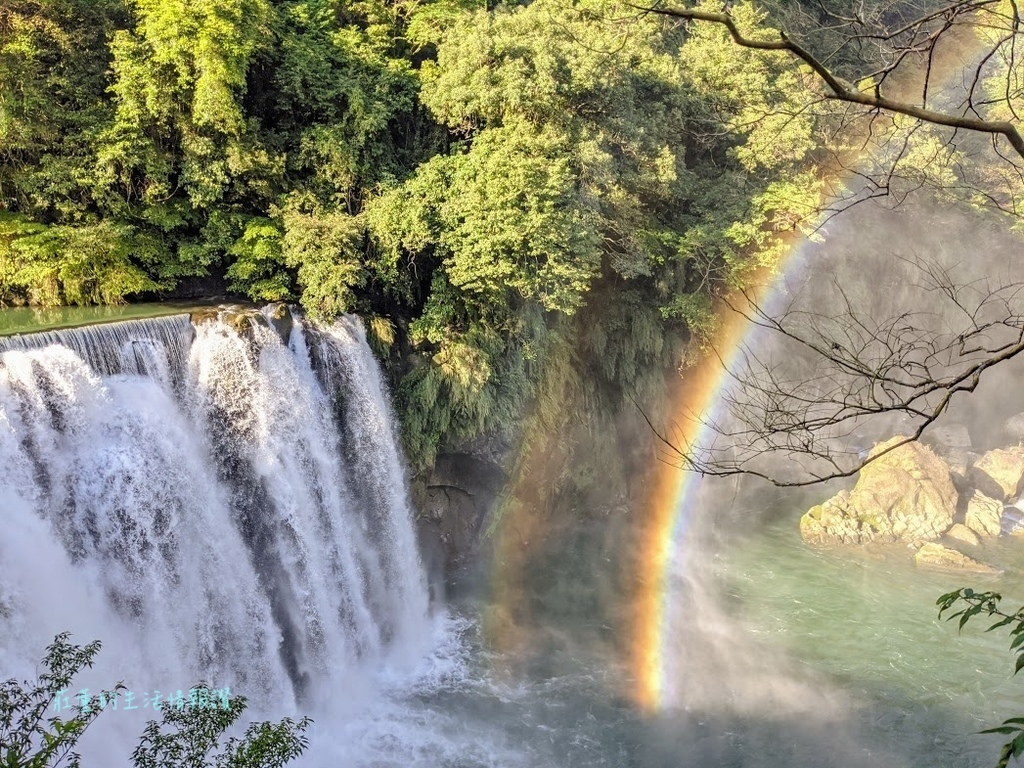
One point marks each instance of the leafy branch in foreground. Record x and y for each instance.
(27, 738)
(186, 736)
(987, 603)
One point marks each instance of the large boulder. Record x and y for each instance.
(998, 473)
(984, 514)
(905, 495)
(932, 555)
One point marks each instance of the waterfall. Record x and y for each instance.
(213, 501)
(156, 346)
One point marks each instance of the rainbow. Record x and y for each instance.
(670, 504)
(671, 501)
(672, 498)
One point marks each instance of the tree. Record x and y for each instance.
(906, 35)
(190, 735)
(875, 75)
(581, 159)
(908, 81)
(876, 78)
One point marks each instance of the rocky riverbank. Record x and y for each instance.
(939, 496)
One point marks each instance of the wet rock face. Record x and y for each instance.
(905, 495)
(1013, 520)
(454, 499)
(280, 318)
(241, 318)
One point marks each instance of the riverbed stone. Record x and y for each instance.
(905, 495)
(934, 555)
(998, 473)
(984, 514)
(280, 318)
(960, 532)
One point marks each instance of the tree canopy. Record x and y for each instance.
(476, 176)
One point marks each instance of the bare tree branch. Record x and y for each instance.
(873, 98)
(801, 403)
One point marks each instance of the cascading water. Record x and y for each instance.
(225, 502)
(213, 502)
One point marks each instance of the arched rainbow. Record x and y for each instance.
(671, 501)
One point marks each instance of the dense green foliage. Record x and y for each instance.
(476, 175)
(187, 736)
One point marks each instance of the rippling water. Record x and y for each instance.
(859, 627)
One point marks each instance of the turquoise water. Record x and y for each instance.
(867, 620)
(858, 626)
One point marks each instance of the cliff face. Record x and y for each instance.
(453, 499)
(575, 462)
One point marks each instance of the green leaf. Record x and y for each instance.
(1002, 623)
(1019, 665)
(1004, 729)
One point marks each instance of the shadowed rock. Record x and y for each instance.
(998, 473)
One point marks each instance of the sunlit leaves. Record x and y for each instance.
(325, 248)
(88, 264)
(258, 264)
(179, 79)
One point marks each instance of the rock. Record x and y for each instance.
(948, 438)
(962, 533)
(932, 555)
(1012, 522)
(1013, 429)
(984, 514)
(905, 495)
(280, 317)
(453, 499)
(998, 473)
(952, 442)
(237, 316)
(960, 470)
(831, 522)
